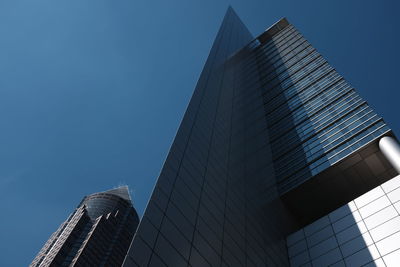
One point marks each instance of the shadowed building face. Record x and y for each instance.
(272, 140)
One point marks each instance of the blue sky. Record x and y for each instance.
(92, 91)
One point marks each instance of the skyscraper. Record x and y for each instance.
(273, 140)
(97, 233)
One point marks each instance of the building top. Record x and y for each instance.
(121, 191)
(105, 202)
(274, 29)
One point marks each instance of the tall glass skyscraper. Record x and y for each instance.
(97, 233)
(273, 140)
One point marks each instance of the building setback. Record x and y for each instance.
(97, 233)
(272, 147)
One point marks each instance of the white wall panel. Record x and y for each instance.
(365, 232)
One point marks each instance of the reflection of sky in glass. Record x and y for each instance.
(315, 118)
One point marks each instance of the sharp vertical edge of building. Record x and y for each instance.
(277, 162)
(97, 233)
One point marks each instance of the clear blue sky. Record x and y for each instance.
(92, 91)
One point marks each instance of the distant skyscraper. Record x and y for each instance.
(273, 142)
(97, 233)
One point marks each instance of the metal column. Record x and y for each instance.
(391, 150)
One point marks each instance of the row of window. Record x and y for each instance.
(320, 134)
(311, 109)
(276, 57)
(317, 119)
(334, 156)
(295, 83)
(338, 125)
(265, 74)
(275, 41)
(331, 84)
(291, 163)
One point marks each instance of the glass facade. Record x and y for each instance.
(268, 117)
(97, 233)
(314, 117)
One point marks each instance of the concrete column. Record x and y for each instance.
(391, 150)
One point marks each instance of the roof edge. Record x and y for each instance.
(120, 191)
(273, 30)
